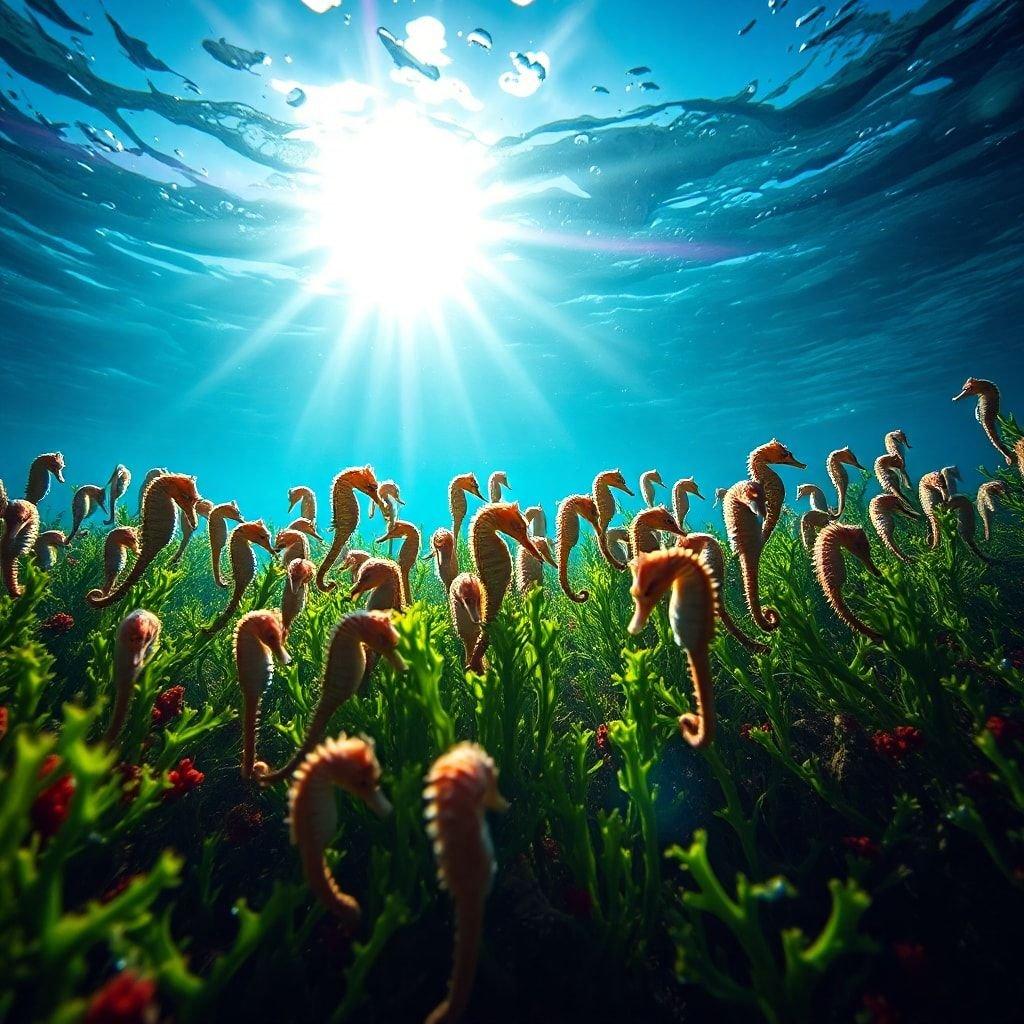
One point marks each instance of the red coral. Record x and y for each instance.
(748, 728)
(50, 808)
(898, 744)
(168, 705)
(1005, 731)
(603, 743)
(3, 721)
(131, 780)
(59, 623)
(242, 823)
(125, 999)
(862, 846)
(183, 779)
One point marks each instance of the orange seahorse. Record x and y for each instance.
(891, 473)
(465, 605)
(21, 528)
(537, 520)
(836, 464)
(645, 527)
(442, 551)
(830, 569)
(146, 481)
(529, 570)
(758, 463)
(351, 764)
(116, 546)
(45, 548)
(84, 503)
(353, 561)
(567, 533)
(691, 613)
(462, 784)
(986, 502)
(707, 548)
(243, 567)
(345, 669)
(966, 523)
(408, 553)
(259, 639)
(492, 560)
(305, 498)
(119, 482)
(818, 516)
(617, 539)
(39, 472)
(496, 483)
(457, 490)
(681, 490)
(137, 637)
(203, 509)
(895, 442)
(382, 579)
(293, 540)
(931, 492)
(604, 500)
(163, 496)
(648, 481)
(345, 514)
(882, 511)
(299, 573)
(987, 412)
(742, 507)
(217, 528)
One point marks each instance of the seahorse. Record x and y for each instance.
(720, 493)
(146, 481)
(617, 539)
(39, 473)
(457, 490)
(816, 496)
(345, 514)
(567, 533)
(966, 524)
(345, 669)
(691, 612)
(681, 490)
(1018, 451)
(836, 465)
(21, 528)
(529, 570)
(243, 567)
(259, 639)
(465, 604)
(408, 553)
(299, 573)
(830, 569)
(648, 481)
(895, 442)
(950, 475)
(882, 510)
(85, 501)
(217, 528)
(492, 560)
(382, 579)
(496, 483)
(605, 503)
(931, 492)
(742, 506)
(390, 497)
(772, 453)
(986, 502)
(442, 551)
(353, 561)
(461, 786)
(305, 498)
(537, 520)
(645, 527)
(3, 497)
(707, 548)
(116, 546)
(890, 472)
(45, 548)
(987, 412)
(820, 515)
(156, 530)
(351, 764)
(292, 541)
(203, 509)
(119, 482)
(136, 641)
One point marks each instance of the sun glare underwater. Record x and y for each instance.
(492, 525)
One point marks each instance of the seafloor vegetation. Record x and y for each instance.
(849, 847)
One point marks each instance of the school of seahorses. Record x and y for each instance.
(659, 551)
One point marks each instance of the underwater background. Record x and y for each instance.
(803, 232)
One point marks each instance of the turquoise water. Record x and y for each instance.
(324, 255)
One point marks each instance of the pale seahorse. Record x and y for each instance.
(21, 528)
(758, 466)
(950, 477)
(931, 492)
(882, 511)
(345, 514)
(119, 482)
(84, 503)
(217, 528)
(617, 539)
(987, 412)
(530, 570)
(966, 522)
(496, 483)
(116, 546)
(203, 510)
(830, 569)
(243, 567)
(681, 491)
(136, 641)
(986, 502)
(891, 473)
(648, 481)
(537, 520)
(819, 515)
(305, 498)
(45, 548)
(146, 481)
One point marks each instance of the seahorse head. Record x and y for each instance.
(373, 573)
(300, 572)
(204, 507)
(256, 532)
(653, 575)
(266, 627)
(305, 526)
(689, 485)
(652, 476)
(397, 531)
(182, 490)
(804, 490)
(996, 487)
(467, 591)
(847, 456)
(468, 482)
(613, 478)
(659, 518)
(127, 537)
(586, 508)
(137, 636)
(498, 480)
(54, 462)
(972, 386)
(900, 437)
(509, 520)
(296, 494)
(442, 542)
(353, 560)
(720, 493)
(377, 631)
(351, 763)
(363, 478)
(388, 491)
(778, 453)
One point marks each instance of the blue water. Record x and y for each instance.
(815, 244)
